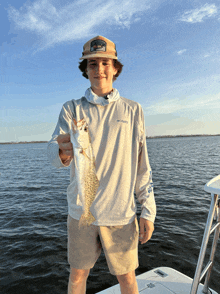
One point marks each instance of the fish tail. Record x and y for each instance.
(91, 218)
(83, 221)
(86, 221)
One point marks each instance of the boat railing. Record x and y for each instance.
(214, 214)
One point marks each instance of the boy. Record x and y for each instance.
(116, 128)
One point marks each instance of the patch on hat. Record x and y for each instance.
(98, 45)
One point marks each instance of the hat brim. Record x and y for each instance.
(98, 55)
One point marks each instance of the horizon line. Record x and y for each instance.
(147, 137)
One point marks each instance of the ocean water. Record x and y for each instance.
(33, 215)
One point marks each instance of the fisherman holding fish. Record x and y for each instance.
(101, 136)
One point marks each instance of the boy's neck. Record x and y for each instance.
(101, 93)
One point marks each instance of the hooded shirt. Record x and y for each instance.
(117, 132)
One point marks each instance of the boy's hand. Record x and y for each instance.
(65, 147)
(146, 230)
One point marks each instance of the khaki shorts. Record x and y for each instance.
(120, 245)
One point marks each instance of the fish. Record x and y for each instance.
(85, 171)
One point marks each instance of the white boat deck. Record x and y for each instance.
(162, 280)
(213, 186)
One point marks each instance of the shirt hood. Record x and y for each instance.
(95, 99)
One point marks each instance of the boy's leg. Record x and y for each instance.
(77, 281)
(120, 245)
(128, 283)
(84, 249)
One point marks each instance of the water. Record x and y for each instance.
(33, 215)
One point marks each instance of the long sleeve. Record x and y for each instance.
(63, 127)
(144, 184)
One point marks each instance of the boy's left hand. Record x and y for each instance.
(146, 230)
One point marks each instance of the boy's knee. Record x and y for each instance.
(78, 275)
(127, 279)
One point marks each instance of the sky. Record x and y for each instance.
(170, 50)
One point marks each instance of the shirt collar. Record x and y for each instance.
(95, 99)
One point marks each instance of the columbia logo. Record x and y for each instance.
(124, 121)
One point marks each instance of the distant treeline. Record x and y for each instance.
(179, 136)
(25, 142)
(148, 137)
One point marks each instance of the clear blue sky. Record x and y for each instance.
(170, 51)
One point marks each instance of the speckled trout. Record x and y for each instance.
(84, 169)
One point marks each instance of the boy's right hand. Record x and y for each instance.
(65, 147)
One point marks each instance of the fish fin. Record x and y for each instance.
(84, 153)
(94, 161)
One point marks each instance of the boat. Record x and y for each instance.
(166, 280)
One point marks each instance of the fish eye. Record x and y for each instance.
(85, 129)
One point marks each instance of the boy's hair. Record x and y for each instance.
(117, 64)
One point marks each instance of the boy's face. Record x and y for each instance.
(101, 72)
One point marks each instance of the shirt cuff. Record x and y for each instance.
(53, 155)
(146, 215)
